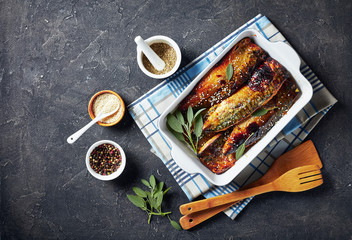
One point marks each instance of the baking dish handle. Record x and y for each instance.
(289, 53)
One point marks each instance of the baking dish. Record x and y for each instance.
(185, 157)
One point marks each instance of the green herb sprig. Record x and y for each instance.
(262, 111)
(240, 149)
(151, 201)
(189, 128)
(229, 71)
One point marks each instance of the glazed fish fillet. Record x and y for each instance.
(263, 85)
(245, 56)
(260, 125)
(212, 156)
(206, 141)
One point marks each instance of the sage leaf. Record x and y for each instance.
(178, 135)
(159, 187)
(136, 200)
(190, 116)
(229, 71)
(176, 225)
(159, 199)
(152, 181)
(158, 194)
(152, 202)
(139, 192)
(174, 123)
(198, 126)
(179, 117)
(148, 195)
(198, 112)
(260, 112)
(240, 149)
(146, 183)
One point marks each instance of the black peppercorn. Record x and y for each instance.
(105, 159)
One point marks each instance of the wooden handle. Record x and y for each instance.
(200, 205)
(195, 218)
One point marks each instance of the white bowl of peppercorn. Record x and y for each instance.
(167, 49)
(105, 160)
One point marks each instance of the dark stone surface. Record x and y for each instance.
(56, 54)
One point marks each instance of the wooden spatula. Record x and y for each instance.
(304, 154)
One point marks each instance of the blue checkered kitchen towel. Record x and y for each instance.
(147, 109)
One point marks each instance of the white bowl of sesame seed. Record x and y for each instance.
(105, 160)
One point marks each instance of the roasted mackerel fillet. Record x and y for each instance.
(206, 141)
(213, 158)
(217, 150)
(245, 56)
(260, 125)
(263, 85)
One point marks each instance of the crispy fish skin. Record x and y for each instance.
(243, 130)
(206, 142)
(218, 163)
(260, 125)
(245, 56)
(209, 139)
(264, 84)
(213, 158)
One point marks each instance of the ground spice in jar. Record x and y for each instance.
(106, 103)
(166, 53)
(105, 159)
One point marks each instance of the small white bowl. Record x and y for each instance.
(160, 39)
(114, 174)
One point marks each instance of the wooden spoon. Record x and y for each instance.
(304, 154)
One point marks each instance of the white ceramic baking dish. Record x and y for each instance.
(185, 157)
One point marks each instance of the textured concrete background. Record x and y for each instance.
(56, 54)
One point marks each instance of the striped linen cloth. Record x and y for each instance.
(146, 111)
